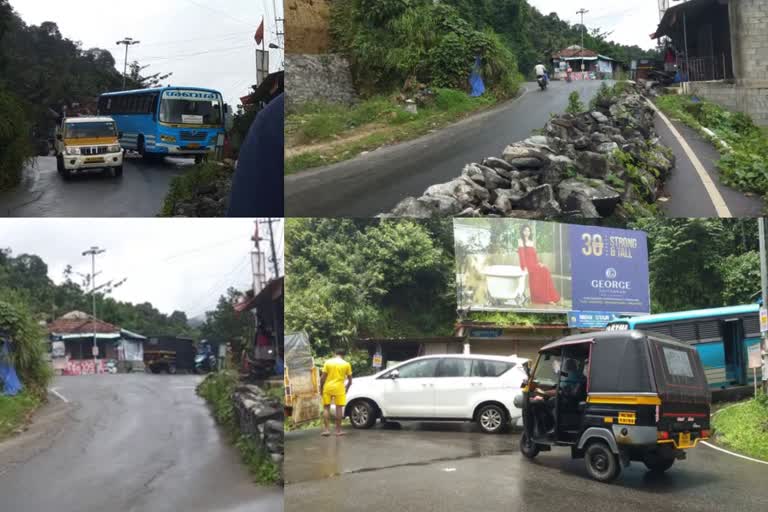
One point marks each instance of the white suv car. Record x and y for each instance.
(445, 387)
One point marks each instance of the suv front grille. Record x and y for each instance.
(97, 150)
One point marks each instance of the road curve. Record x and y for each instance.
(139, 193)
(375, 182)
(441, 468)
(127, 443)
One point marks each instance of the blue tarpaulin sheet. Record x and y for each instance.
(9, 381)
(476, 81)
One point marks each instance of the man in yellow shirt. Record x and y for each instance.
(334, 384)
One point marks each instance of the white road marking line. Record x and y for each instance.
(449, 470)
(734, 454)
(709, 185)
(62, 397)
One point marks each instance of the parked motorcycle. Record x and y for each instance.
(205, 363)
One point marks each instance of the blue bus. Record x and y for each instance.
(167, 121)
(722, 337)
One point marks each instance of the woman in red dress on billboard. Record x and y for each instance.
(540, 283)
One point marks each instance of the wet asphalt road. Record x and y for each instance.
(374, 183)
(684, 192)
(139, 193)
(432, 467)
(127, 443)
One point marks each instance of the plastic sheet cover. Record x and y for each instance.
(298, 353)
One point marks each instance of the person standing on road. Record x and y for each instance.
(334, 384)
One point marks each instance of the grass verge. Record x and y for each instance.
(742, 145)
(217, 390)
(744, 427)
(15, 412)
(325, 127)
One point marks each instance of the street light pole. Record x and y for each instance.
(127, 42)
(92, 252)
(764, 282)
(582, 11)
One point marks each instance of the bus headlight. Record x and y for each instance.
(114, 148)
(72, 151)
(168, 138)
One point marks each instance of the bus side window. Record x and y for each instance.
(153, 106)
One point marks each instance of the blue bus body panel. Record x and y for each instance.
(692, 315)
(146, 127)
(712, 353)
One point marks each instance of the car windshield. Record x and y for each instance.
(191, 107)
(90, 130)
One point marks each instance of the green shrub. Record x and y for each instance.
(28, 346)
(186, 187)
(392, 41)
(745, 164)
(575, 106)
(15, 149)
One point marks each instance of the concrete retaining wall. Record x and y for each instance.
(324, 78)
(743, 97)
(749, 39)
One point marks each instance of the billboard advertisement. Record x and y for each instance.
(534, 266)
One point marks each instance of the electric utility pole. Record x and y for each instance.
(127, 42)
(764, 281)
(92, 252)
(272, 244)
(582, 11)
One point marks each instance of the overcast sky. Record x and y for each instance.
(176, 264)
(171, 32)
(632, 21)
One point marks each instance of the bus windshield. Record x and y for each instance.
(191, 107)
(90, 130)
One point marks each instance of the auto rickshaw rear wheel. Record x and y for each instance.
(657, 463)
(528, 448)
(602, 464)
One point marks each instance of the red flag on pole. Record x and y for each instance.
(260, 33)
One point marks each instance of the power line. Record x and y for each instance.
(202, 248)
(221, 12)
(218, 284)
(183, 56)
(231, 35)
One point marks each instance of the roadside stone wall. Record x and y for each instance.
(261, 418)
(604, 163)
(743, 97)
(325, 78)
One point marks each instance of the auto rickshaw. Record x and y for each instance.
(615, 397)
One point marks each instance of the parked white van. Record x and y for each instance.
(88, 143)
(449, 387)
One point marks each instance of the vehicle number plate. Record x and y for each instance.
(94, 160)
(193, 146)
(685, 441)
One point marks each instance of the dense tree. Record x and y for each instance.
(352, 278)
(25, 277)
(225, 325)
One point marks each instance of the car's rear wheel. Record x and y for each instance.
(528, 448)
(171, 369)
(491, 418)
(362, 414)
(602, 464)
